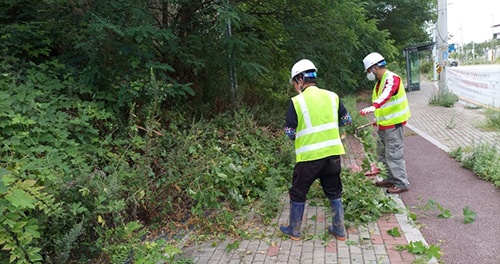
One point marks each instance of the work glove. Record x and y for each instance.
(367, 110)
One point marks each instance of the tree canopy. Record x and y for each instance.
(216, 51)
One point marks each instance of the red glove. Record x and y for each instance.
(367, 110)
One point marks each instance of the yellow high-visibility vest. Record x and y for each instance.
(317, 134)
(396, 110)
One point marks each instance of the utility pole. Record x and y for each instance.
(462, 36)
(434, 50)
(493, 46)
(473, 54)
(442, 42)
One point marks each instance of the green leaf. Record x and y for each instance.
(350, 242)
(133, 226)
(444, 212)
(32, 230)
(10, 221)
(222, 175)
(412, 216)
(470, 215)
(3, 187)
(19, 226)
(434, 251)
(416, 247)
(430, 204)
(14, 256)
(77, 208)
(20, 199)
(6, 179)
(234, 245)
(394, 232)
(33, 254)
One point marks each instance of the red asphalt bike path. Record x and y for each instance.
(432, 132)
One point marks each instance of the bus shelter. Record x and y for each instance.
(411, 54)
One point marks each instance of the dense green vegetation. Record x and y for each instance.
(482, 159)
(492, 121)
(123, 121)
(443, 98)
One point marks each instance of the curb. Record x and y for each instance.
(411, 232)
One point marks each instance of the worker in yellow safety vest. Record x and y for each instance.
(312, 121)
(391, 109)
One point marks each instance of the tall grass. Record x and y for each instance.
(443, 98)
(492, 119)
(483, 159)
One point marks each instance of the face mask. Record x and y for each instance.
(370, 76)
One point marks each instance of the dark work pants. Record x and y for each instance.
(327, 170)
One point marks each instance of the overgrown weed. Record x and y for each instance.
(483, 159)
(492, 119)
(443, 98)
(363, 202)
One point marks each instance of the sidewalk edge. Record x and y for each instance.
(411, 232)
(428, 138)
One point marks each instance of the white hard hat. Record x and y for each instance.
(302, 66)
(372, 59)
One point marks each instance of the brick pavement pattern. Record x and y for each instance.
(364, 244)
(447, 128)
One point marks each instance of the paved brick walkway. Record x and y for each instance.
(365, 244)
(447, 128)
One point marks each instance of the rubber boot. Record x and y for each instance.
(337, 228)
(296, 213)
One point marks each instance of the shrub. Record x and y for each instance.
(228, 161)
(482, 159)
(363, 202)
(443, 98)
(71, 170)
(493, 119)
(21, 201)
(427, 67)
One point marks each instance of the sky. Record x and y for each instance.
(472, 20)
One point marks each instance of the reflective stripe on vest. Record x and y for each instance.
(396, 110)
(315, 140)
